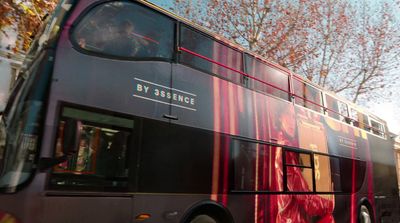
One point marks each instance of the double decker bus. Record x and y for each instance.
(127, 113)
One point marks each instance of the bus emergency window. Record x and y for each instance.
(267, 78)
(307, 96)
(377, 128)
(126, 30)
(202, 47)
(100, 162)
(254, 165)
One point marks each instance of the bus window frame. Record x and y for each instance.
(284, 149)
(134, 146)
(374, 130)
(212, 38)
(322, 104)
(268, 83)
(242, 72)
(345, 118)
(286, 165)
(83, 14)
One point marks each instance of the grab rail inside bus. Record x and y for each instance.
(276, 87)
(232, 69)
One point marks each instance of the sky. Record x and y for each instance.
(389, 109)
(388, 112)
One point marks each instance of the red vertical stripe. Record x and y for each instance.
(217, 143)
(226, 128)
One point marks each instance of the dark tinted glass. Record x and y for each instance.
(335, 174)
(268, 79)
(307, 96)
(299, 92)
(256, 167)
(333, 107)
(346, 169)
(244, 158)
(128, 30)
(204, 47)
(175, 159)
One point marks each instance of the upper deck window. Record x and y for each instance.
(359, 119)
(125, 30)
(307, 95)
(336, 108)
(333, 107)
(204, 53)
(267, 78)
(377, 128)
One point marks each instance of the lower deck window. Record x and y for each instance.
(261, 168)
(256, 167)
(101, 160)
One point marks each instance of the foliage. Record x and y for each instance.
(26, 17)
(347, 47)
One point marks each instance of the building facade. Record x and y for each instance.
(10, 64)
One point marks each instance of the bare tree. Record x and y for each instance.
(349, 48)
(373, 54)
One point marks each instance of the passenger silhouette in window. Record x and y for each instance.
(126, 42)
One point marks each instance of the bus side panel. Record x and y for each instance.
(120, 86)
(99, 83)
(226, 107)
(86, 209)
(384, 170)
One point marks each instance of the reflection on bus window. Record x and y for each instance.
(269, 79)
(211, 49)
(244, 156)
(101, 157)
(253, 162)
(307, 96)
(125, 30)
(333, 107)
